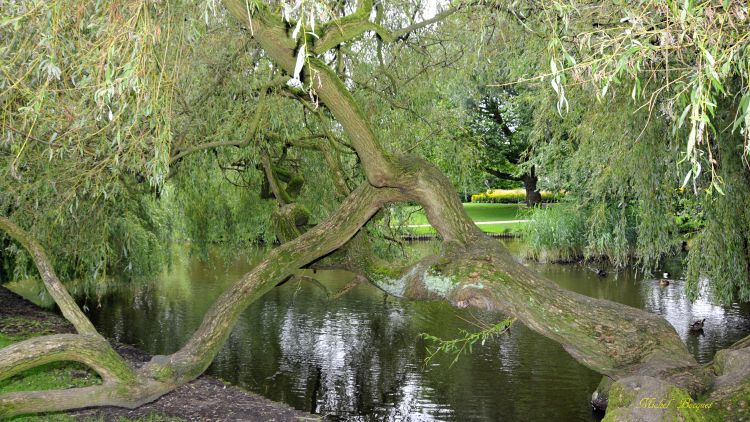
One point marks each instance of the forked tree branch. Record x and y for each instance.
(351, 26)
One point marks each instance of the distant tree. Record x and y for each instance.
(500, 123)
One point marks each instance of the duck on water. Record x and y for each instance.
(697, 325)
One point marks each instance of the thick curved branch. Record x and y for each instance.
(121, 386)
(164, 373)
(55, 288)
(608, 337)
(89, 350)
(502, 175)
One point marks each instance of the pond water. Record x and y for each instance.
(358, 355)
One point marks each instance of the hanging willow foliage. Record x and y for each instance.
(678, 59)
(87, 96)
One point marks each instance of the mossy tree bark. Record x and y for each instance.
(473, 270)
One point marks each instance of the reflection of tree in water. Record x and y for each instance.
(356, 357)
(346, 359)
(359, 357)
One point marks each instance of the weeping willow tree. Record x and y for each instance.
(118, 99)
(685, 68)
(640, 114)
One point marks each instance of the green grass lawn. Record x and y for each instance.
(478, 213)
(495, 212)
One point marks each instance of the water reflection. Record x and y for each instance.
(359, 357)
(724, 324)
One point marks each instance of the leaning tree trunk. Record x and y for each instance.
(641, 352)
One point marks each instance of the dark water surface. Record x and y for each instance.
(359, 356)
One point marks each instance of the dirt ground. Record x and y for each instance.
(205, 399)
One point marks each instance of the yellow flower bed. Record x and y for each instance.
(510, 196)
